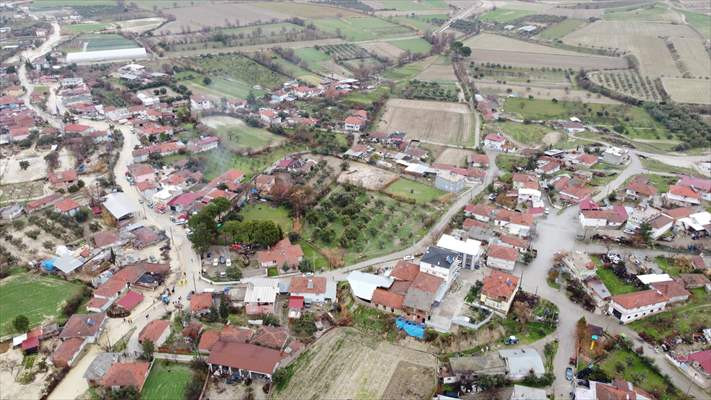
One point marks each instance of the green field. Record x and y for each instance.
(419, 192)
(364, 224)
(557, 31)
(700, 22)
(296, 71)
(418, 45)
(230, 68)
(633, 369)
(107, 42)
(84, 28)
(407, 71)
(523, 133)
(312, 254)
(47, 4)
(240, 136)
(38, 297)
(361, 28)
(508, 162)
(220, 160)
(278, 215)
(658, 166)
(420, 23)
(654, 13)
(613, 283)
(167, 381)
(503, 15)
(367, 97)
(636, 121)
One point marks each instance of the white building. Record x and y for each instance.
(449, 181)
(469, 250)
(521, 362)
(440, 262)
(637, 305)
(493, 141)
(364, 284)
(107, 55)
(501, 257)
(148, 100)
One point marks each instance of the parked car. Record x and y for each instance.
(222, 259)
(228, 262)
(569, 373)
(214, 262)
(408, 258)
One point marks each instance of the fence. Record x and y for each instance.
(181, 358)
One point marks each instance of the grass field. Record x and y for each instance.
(656, 12)
(237, 135)
(419, 192)
(220, 160)
(47, 4)
(637, 122)
(614, 284)
(312, 254)
(522, 133)
(557, 31)
(700, 22)
(107, 42)
(84, 28)
(680, 320)
(278, 215)
(361, 28)
(421, 23)
(39, 298)
(658, 166)
(418, 45)
(167, 381)
(236, 68)
(407, 71)
(296, 71)
(633, 369)
(409, 5)
(504, 15)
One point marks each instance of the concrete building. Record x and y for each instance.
(440, 262)
(449, 181)
(469, 250)
(637, 305)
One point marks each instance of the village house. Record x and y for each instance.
(62, 179)
(586, 160)
(478, 160)
(200, 103)
(682, 195)
(200, 303)
(141, 172)
(640, 189)
(283, 253)
(637, 305)
(580, 265)
(356, 121)
(260, 296)
(618, 389)
(99, 366)
(468, 250)
(205, 143)
(697, 366)
(78, 331)
(421, 295)
(449, 181)
(495, 142)
(67, 206)
(313, 289)
(498, 291)
(615, 155)
(127, 374)
(480, 212)
(699, 185)
(441, 262)
(501, 257)
(674, 290)
(245, 359)
(156, 331)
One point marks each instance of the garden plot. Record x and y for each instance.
(21, 191)
(237, 136)
(453, 156)
(383, 49)
(488, 48)
(541, 91)
(366, 176)
(693, 91)
(346, 364)
(629, 83)
(201, 16)
(430, 121)
(643, 39)
(437, 72)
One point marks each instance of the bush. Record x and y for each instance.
(21, 323)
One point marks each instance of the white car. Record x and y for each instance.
(214, 262)
(228, 262)
(408, 258)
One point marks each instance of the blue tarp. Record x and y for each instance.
(411, 328)
(48, 265)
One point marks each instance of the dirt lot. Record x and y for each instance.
(10, 171)
(21, 191)
(383, 49)
(345, 364)
(431, 121)
(453, 156)
(541, 92)
(366, 176)
(437, 72)
(694, 91)
(641, 39)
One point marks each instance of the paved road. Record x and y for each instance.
(478, 6)
(634, 167)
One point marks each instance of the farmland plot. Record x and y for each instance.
(694, 91)
(502, 50)
(361, 28)
(383, 49)
(628, 83)
(640, 38)
(366, 176)
(693, 55)
(431, 121)
(346, 364)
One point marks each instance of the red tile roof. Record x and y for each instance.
(587, 159)
(296, 302)
(671, 289)
(405, 271)
(245, 356)
(200, 301)
(82, 325)
(427, 282)
(492, 137)
(679, 212)
(281, 253)
(66, 205)
(307, 284)
(126, 374)
(351, 120)
(66, 351)
(684, 191)
(105, 238)
(274, 337)
(703, 358)
(642, 188)
(502, 252)
(639, 299)
(235, 334)
(388, 298)
(130, 300)
(499, 285)
(701, 184)
(208, 339)
(153, 330)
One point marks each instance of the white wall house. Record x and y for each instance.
(440, 262)
(469, 250)
(637, 305)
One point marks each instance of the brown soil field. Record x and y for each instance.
(346, 364)
(694, 91)
(546, 92)
(437, 72)
(502, 50)
(641, 39)
(216, 14)
(550, 9)
(429, 121)
(383, 49)
(366, 176)
(693, 55)
(453, 156)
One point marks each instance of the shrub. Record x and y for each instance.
(21, 323)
